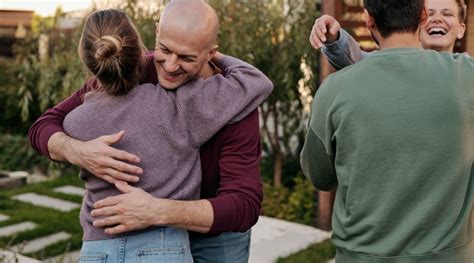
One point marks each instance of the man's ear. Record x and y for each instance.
(212, 52)
(157, 33)
(369, 20)
(157, 28)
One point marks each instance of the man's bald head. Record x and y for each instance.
(194, 18)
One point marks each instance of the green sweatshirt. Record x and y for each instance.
(395, 134)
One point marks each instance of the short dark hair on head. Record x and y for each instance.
(395, 16)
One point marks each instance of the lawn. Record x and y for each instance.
(48, 221)
(317, 253)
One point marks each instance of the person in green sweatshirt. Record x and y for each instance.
(395, 134)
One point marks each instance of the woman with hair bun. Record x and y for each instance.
(111, 48)
(165, 128)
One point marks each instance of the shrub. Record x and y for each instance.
(296, 204)
(17, 154)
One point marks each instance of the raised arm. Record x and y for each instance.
(343, 52)
(340, 48)
(206, 105)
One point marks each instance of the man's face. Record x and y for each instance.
(443, 26)
(178, 57)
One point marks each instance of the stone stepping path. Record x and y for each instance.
(273, 238)
(46, 201)
(11, 257)
(12, 254)
(71, 257)
(4, 217)
(40, 243)
(16, 228)
(70, 190)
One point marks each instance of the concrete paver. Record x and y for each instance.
(46, 201)
(11, 257)
(40, 243)
(4, 217)
(71, 190)
(16, 228)
(71, 257)
(273, 238)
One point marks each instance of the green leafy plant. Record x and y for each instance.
(16, 154)
(296, 204)
(273, 36)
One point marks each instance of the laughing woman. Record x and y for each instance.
(444, 25)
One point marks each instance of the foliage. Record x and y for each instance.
(273, 36)
(296, 204)
(17, 154)
(144, 17)
(316, 253)
(10, 119)
(291, 168)
(35, 83)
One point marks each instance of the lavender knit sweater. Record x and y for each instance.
(165, 129)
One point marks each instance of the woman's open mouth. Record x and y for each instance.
(437, 31)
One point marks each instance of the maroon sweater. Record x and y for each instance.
(230, 161)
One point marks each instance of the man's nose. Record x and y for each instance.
(171, 63)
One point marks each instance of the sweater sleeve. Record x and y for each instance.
(51, 121)
(343, 52)
(237, 204)
(316, 164)
(206, 105)
(318, 154)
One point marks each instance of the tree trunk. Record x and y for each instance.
(277, 154)
(277, 169)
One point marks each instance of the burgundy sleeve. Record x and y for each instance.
(51, 121)
(239, 197)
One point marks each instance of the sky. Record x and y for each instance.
(45, 8)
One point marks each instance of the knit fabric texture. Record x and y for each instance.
(165, 129)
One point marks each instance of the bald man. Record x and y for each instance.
(231, 191)
(185, 46)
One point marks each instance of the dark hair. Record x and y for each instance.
(111, 48)
(462, 10)
(395, 16)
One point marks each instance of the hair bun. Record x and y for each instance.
(107, 47)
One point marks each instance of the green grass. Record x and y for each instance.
(48, 221)
(317, 253)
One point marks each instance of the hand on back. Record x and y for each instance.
(104, 161)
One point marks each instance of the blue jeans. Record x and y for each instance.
(231, 247)
(166, 244)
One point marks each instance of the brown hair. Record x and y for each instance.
(462, 10)
(111, 48)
